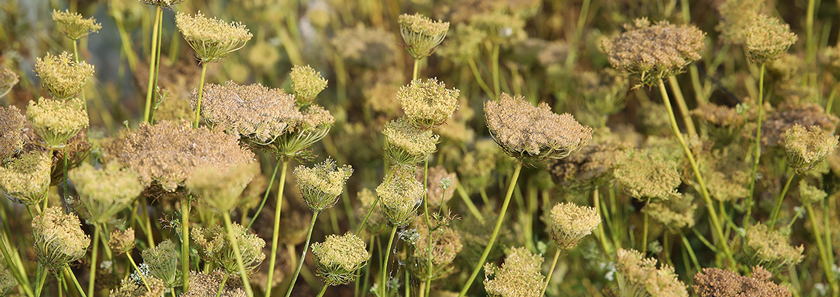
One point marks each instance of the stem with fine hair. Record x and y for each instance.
(152, 62)
(700, 181)
(276, 233)
(185, 242)
(383, 284)
(757, 144)
(243, 275)
(200, 93)
(551, 270)
(303, 254)
(775, 215)
(496, 229)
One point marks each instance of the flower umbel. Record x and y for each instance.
(214, 245)
(640, 277)
(211, 39)
(306, 84)
(806, 148)
(421, 34)
(162, 261)
(428, 103)
(339, 257)
(570, 223)
(105, 192)
(57, 121)
(72, 25)
(519, 276)
(61, 77)
(401, 195)
(26, 178)
(322, 184)
(59, 238)
(768, 38)
(770, 248)
(406, 144)
(220, 188)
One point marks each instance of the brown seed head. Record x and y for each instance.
(61, 77)
(203, 285)
(519, 276)
(12, 124)
(570, 223)
(767, 38)
(716, 282)
(806, 148)
(435, 180)
(122, 241)
(72, 25)
(211, 39)
(775, 127)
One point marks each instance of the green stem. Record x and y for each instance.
(185, 242)
(757, 156)
(495, 69)
(370, 211)
(152, 63)
(416, 69)
(222, 286)
(157, 69)
(678, 96)
(775, 214)
(829, 274)
(92, 277)
(303, 254)
(200, 93)
(40, 276)
(265, 197)
(703, 190)
(474, 210)
(478, 78)
(76, 55)
(17, 270)
(596, 197)
(323, 290)
(584, 12)
(150, 237)
(274, 238)
(429, 228)
(690, 250)
(645, 230)
(551, 271)
(496, 229)
(236, 252)
(383, 286)
(75, 281)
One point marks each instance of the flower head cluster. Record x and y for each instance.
(7, 280)
(321, 185)
(640, 277)
(592, 166)
(775, 127)
(445, 245)
(121, 241)
(339, 258)
(647, 176)
(654, 51)
(499, 27)
(767, 38)
(736, 18)
(254, 111)
(527, 132)
(421, 34)
(203, 284)
(211, 39)
(366, 47)
(770, 248)
(105, 192)
(162, 263)
(831, 57)
(11, 137)
(59, 238)
(8, 79)
(519, 276)
(406, 144)
(716, 282)
(161, 3)
(428, 103)
(26, 178)
(215, 246)
(810, 194)
(168, 153)
(132, 287)
(221, 188)
(723, 123)
(61, 76)
(570, 223)
(315, 125)
(401, 195)
(675, 214)
(806, 148)
(306, 84)
(57, 121)
(72, 25)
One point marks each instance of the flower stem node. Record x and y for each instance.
(421, 34)
(339, 258)
(322, 184)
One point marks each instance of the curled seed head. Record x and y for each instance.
(59, 238)
(322, 184)
(428, 103)
(806, 148)
(26, 178)
(421, 34)
(401, 195)
(406, 144)
(211, 39)
(162, 262)
(215, 246)
(767, 38)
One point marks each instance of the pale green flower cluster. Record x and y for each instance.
(107, 191)
(806, 148)
(322, 184)
(59, 238)
(401, 195)
(72, 25)
(519, 276)
(421, 34)
(570, 223)
(26, 178)
(427, 102)
(61, 76)
(339, 257)
(306, 84)
(768, 38)
(211, 39)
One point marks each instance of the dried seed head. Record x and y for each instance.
(339, 257)
(168, 153)
(775, 127)
(770, 248)
(593, 165)
(322, 184)
(499, 26)
(654, 51)
(72, 25)
(132, 286)
(7, 280)
(8, 79)
(162, 262)
(220, 188)
(421, 34)
(647, 176)
(767, 38)
(59, 238)
(640, 277)
(57, 121)
(446, 244)
(203, 285)
(215, 246)
(105, 192)
(253, 111)
(211, 39)
(519, 276)
(376, 223)
(527, 132)
(401, 195)
(12, 124)
(306, 84)
(61, 77)
(428, 103)
(675, 214)
(570, 223)
(122, 241)
(806, 148)
(464, 45)
(26, 178)
(406, 144)
(716, 282)
(736, 18)
(367, 47)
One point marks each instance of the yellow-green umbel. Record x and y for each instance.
(211, 39)
(570, 223)
(59, 238)
(806, 148)
(519, 276)
(638, 276)
(306, 84)
(162, 263)
(61, 77)
(26, 178)
(339, 258)
(315, 125)
(768, 38)
(428, 103)
(401, 195)
(770, 249)
(57, 121)
(645, 175)
(219, 188)
(105, 192)
(72, 25)
(406, 144)
(321, 185)
(421, 34)
(215, 246)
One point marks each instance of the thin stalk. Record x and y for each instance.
(700, 181)
(265, 197)
(364, 221)
(157, 67)
(601, 234)
(690, 250)
(75, 281)
(222, 286)
(584, 12)
(323, 290)
(103, 238)
(551, 271)
(474, 210)
(416, 69)
(495, 69)
(303, 254)
(429, 228)
(185, 242)
(150, 237)
(810, 44)
(274, 238)
(200, 92)
(76, 55)
(775, 214)
(645, 230)
(92, 278)
(236, 252)
(478, 78)
(496, 229)
(408, 284)
(17, 270)
(152, 63)
(367, 267)
(142, 278)
(678, 96)
(757, 145)
(383, 285)
(829, 274)
(40, 276)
